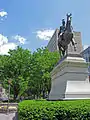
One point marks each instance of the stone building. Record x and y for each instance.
(53, 43)
(86, 54)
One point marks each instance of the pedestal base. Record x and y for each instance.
(70, 80)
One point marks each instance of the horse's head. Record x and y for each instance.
(68, 23)
(69, 17)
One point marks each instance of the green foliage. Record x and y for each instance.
(54, 110)
(43, 62)
(29, 72)
(15, 67)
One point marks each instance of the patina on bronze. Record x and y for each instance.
(65, 35)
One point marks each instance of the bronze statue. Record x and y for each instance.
(65, 35)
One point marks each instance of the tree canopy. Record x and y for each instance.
(29, 72)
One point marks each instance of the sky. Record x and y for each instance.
(31, 23)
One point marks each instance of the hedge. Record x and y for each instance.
(54, 110)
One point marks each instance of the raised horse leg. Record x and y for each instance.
(74, 44)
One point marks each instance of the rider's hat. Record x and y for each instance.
(63, 21)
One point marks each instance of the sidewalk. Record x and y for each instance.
(10, 116)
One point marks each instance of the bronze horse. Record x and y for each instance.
(67, 37)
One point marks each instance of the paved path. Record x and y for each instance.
(10, 116)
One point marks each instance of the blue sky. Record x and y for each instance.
(23, 20)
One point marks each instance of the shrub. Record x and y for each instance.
(54, 110)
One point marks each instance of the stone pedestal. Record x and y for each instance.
(70, 79)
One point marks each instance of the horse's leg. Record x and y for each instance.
(74, 43)
(63, 52)
(60, 50)
(60, 53)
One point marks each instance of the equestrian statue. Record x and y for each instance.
(65, 35)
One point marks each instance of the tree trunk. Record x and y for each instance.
(15, 96)
(43, 94)
(16, 91)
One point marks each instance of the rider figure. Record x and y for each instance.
(62, 28)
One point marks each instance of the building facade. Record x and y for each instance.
(53, 43)
(86, 54)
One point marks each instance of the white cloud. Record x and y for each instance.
(5, 46)
(45, 34)
(85, 46)
(3, 39)
(3, 13)
(4, 49)
(21, 39)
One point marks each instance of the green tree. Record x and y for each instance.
(43, 62)
(17, 68)
(30, 73)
